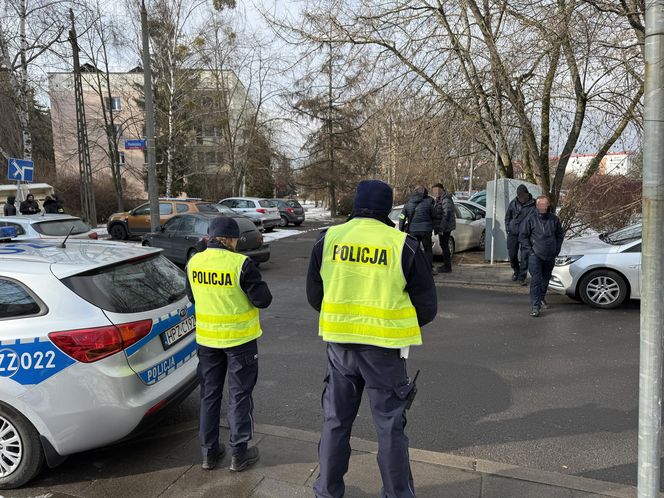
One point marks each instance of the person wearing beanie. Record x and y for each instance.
(521, 207)
(227, 289)
(10, 206)
(373, 288)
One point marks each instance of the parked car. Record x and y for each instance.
(183, 236)
(479, 212)
(264, 210)
(291, 211)
(97, 339)
(467, 234)
(479, 198)
(47, 226)
(136, 222)
(600, 270)
(229, 212)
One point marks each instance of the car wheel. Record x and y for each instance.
(21, 454)
(284, 222)
(482, 245)
(297, 223)
(118, 232)
(268, 230)
(450, 244)
(603, 289)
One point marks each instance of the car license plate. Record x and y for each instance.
(175, 334)
(300, 218)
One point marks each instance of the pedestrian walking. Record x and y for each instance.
(228, 290)
(541, 238)
(9, 208)
(29, 205)
(444, 222)
(373, 288)
(518, 210)
(417, 220)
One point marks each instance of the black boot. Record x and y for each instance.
(243, 460)
(210, 460)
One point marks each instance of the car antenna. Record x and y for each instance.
(63, 246)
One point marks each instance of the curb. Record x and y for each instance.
(466, 464)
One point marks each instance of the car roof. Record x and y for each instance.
(207, 215)
(38, 218)
(77, 257)
(247, 199)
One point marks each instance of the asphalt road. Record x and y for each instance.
(558, 393)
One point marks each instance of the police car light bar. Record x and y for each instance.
(7, 233)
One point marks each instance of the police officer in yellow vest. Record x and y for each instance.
(373, 287)
(227, 289)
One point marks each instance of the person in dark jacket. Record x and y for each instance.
(357, 359)
(53, 205)
(541, 238)
(444, 222)
(227, 290)
(416, 219)
(30, 205)
(519, 209)
(10, 206)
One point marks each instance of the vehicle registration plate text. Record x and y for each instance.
(179, 332)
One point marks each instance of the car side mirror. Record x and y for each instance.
(478, 216)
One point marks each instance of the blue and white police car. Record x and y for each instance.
(95, 339)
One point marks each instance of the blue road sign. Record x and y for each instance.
(20, 170)
(134, 144)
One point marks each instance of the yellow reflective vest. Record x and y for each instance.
(364, 296)
(224, 315)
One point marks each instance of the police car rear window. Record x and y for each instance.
(131, 287)
(57, 228)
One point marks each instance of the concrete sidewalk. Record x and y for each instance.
(470, 268)
(166, 463)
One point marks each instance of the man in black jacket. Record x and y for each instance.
(30, 205)
(416, 219)
(10, 206)
(444, 222)
(519, 209)
(541, 238)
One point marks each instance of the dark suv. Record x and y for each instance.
(291, 212)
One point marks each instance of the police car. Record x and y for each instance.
(96, 338)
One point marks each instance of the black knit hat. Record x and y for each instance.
(223, 226)
(373, 196)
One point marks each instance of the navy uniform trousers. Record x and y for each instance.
(352, 368)
(241, 363)
(540, 275)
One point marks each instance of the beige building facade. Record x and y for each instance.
(128, 123)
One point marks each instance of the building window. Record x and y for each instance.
(123, 159)
(113, 104)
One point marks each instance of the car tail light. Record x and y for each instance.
(290, 210)
(93, 235)
(261, 210)
(94, 344)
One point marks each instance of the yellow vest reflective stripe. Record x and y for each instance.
(224, 315)
(364, 300)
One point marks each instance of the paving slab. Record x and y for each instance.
(199, 483)
(271, 488)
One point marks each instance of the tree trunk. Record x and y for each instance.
(24, 97)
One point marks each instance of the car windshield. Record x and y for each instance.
(623, 236)
(60, 228)
(131, 286)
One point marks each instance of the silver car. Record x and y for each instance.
(47, 226)
(256, 208)
(600, 270)
(468, 234)
(97, 338)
